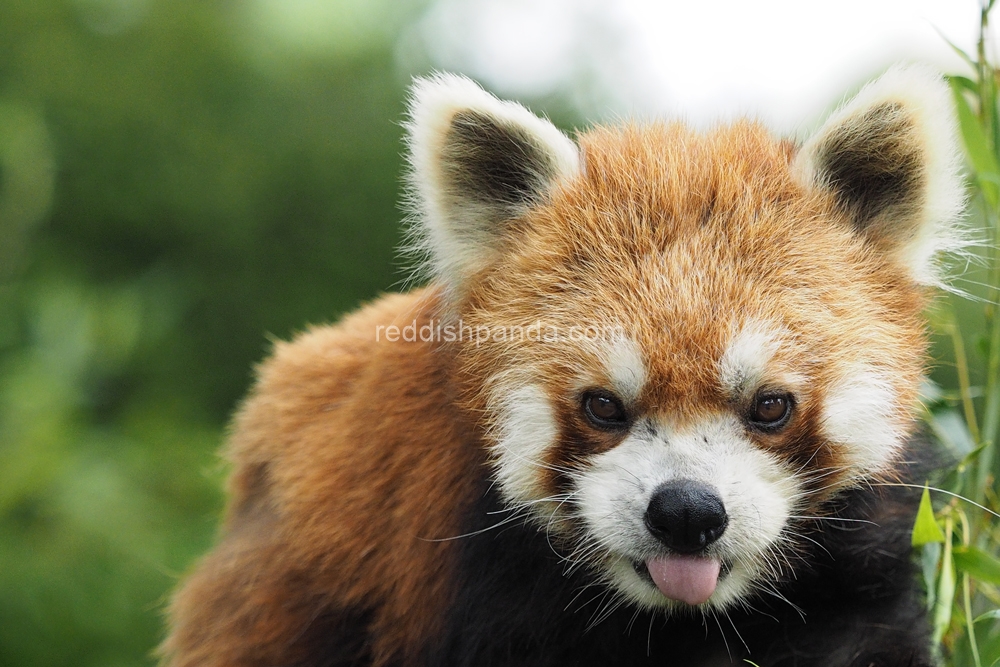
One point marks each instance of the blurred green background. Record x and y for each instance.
(179, 182)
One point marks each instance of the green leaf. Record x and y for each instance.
(963, 81)
(978, 148)
(989, 646)
(992, 614)
(925, 528)
(978, 564)
(929, 560)
(945, 595)
(973, 455)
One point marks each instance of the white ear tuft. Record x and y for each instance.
(476, 162)
(891, 158)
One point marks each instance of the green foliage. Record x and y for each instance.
(177, 183)
(961, 543)
(925, 529)
(978, 564)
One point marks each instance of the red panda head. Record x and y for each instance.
(680, 343)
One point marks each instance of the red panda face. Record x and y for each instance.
(683, 344)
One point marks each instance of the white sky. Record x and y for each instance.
(782, 61)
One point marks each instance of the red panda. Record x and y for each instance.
(638, 416)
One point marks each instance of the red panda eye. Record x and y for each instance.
(771, 411)
(604, 410)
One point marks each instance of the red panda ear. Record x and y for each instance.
(476, 162)
(890, 159)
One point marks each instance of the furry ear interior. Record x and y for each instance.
(476, 163)
(890, 159)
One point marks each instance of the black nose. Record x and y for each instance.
(686, 515)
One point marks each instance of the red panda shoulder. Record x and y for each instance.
(350, 470)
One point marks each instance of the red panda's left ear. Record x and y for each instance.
(890, 157)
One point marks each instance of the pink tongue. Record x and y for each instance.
(689, 579)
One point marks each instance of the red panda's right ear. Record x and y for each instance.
(476, 163)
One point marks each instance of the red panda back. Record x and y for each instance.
(350, 471)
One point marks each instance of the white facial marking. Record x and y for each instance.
(860, 414)
(743, 365)
(748, 362)
(625, 366)
(757, 490)
(524, 430)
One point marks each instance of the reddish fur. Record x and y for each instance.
(343, 457)
(351, 454)
(650, 238)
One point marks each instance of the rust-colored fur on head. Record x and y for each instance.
(668, 355)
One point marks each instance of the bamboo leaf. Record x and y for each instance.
(992, 614)
(978, 564)
(925, 528)
(945, 589)
(973, 455)
(978, 148)
(990, 646)
(963, 81)
(929, 560)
